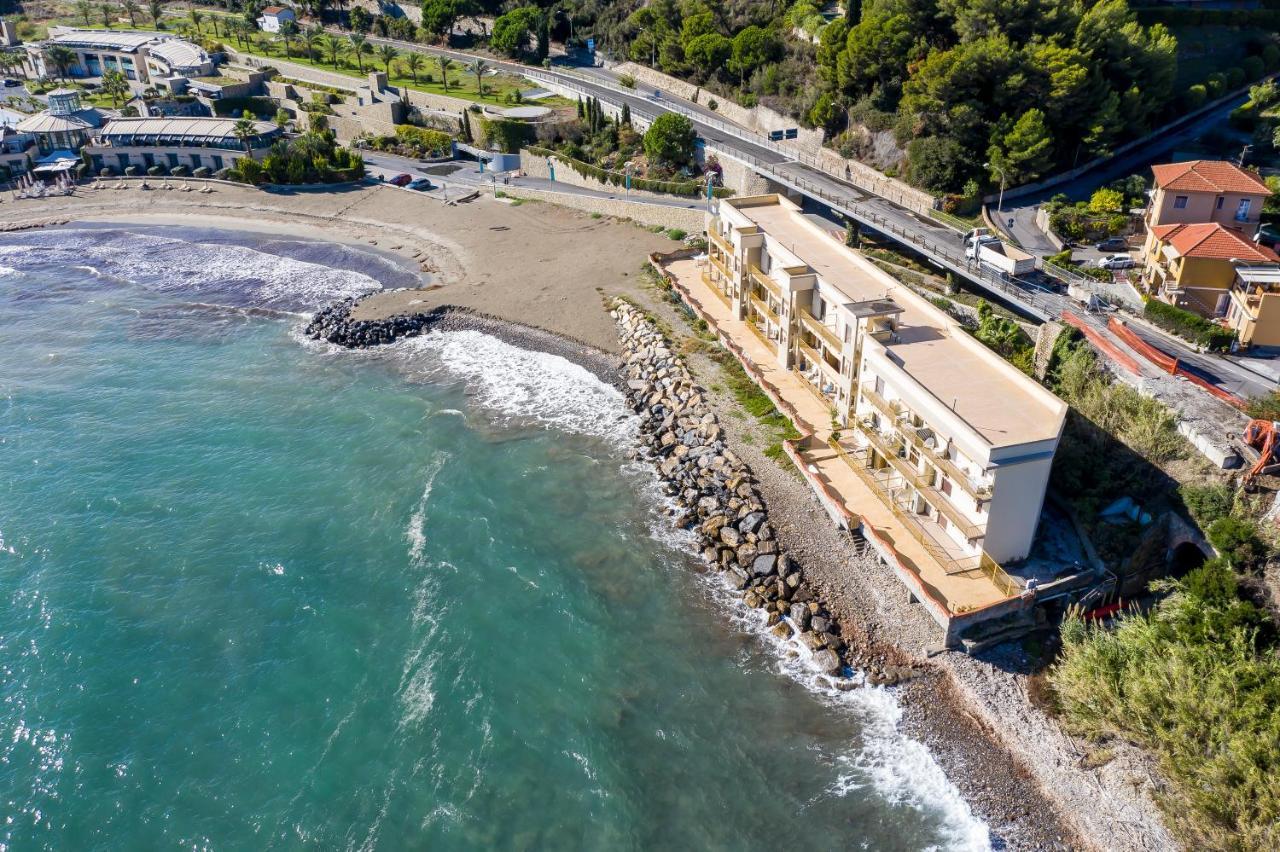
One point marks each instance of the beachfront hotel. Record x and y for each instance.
(194, 143)
(932, 445)
(145, 57)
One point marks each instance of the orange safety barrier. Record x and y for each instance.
(1226, 396)
(1165, 362)
(1103, 345)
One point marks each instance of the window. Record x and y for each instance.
(1218, 205)
(1242, 212)
(1179, 202)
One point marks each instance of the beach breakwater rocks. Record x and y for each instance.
(715, 495)
(335, 324)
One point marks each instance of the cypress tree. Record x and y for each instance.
(626, 115)
(582, 113)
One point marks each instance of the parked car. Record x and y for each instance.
(401, 180)
(1112, 244)
(421, 184)
(9, 83)
(1117, 261)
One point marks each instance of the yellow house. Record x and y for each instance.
(1207, 191)
(1254, 310)
(1194, 266)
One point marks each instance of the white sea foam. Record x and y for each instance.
(172, 265)
(8, 270)
(899, 768)
(416, 531)
(519, 385)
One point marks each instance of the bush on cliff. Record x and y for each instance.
(1197, 682)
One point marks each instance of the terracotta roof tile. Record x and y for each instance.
(1208, 176)
(1212, 241)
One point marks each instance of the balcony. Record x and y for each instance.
(923, 481)
(764, 282)
(891, 410)
(815, 357)
(721, 266)
(716, 287)
(926, 533)
(765, 311)
(980, 491)
(771, 345)
(720, 242)
(815, 327)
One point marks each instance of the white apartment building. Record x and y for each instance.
(957, 442)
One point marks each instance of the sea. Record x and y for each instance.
(259, 592)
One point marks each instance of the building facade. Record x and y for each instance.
(1254, 309)
(1204, 191)
(192, 143)
(955, 441)
(141, 56)
(1194, 266)
(65, 126)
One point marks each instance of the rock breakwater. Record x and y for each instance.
(717, 497)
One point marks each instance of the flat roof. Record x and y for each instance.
(1001, 405)
(193, 129)
(120, 40)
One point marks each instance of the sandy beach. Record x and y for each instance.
(537, 264)
(551, 268)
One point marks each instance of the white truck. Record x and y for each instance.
(987, 249)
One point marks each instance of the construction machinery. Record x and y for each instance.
(1261, 435)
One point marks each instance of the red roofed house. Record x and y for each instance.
(271, 17)
(1194, 266)
(1207, 191)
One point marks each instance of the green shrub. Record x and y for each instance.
(105, 171)
(1235, 77)
(1207, 503)
(179, 171)
(202, 172)
(1245, 116)
(676, 233)
(627, 81)
(155, 171)
(1196, 96)
(263, 108)
(1197, 683)
(1238, 541)
(1271, 57)
(130, 171)
(1188, 326)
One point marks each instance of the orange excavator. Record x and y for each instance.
(1262, 436)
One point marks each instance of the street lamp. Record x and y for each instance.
(1000, 203)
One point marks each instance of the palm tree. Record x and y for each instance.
(388, 54)
(155, 8)
(413, 61)
(131, 8)
(84, 9)
(115, 84)
(245, 130)
(106, 15)
(359, 46)
(61, 58)
(313, 38)
(333, 46)
(479, 68)
(288, 30)
(445, 64)
(196, 20)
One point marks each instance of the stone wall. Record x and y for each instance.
(535, 165)
(689, 219)
(738, 176)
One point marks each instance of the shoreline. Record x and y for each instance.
(942, 707)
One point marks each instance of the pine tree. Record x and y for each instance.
(582, 113)
(626, 115)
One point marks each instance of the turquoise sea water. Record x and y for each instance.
(258, 593)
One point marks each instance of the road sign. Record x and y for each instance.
(792, 132)
(591, 45)
(775, 135)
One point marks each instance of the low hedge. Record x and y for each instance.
(689, 189)
(1188, 326)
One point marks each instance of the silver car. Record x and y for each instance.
(1117, 261)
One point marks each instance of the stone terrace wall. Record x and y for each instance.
(689, 219)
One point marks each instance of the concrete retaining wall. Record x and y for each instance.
(688, 219)
(535, 165)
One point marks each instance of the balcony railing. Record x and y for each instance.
(887, 408)
(721, 266)
(923, 481)
(814, 356)
(950, 563)
(764, 281)
(821, 331)
(771, 345)
(720, 241)
(714, 287)
(980, 491)
(761, 306)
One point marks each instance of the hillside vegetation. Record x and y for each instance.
(1026, 86)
